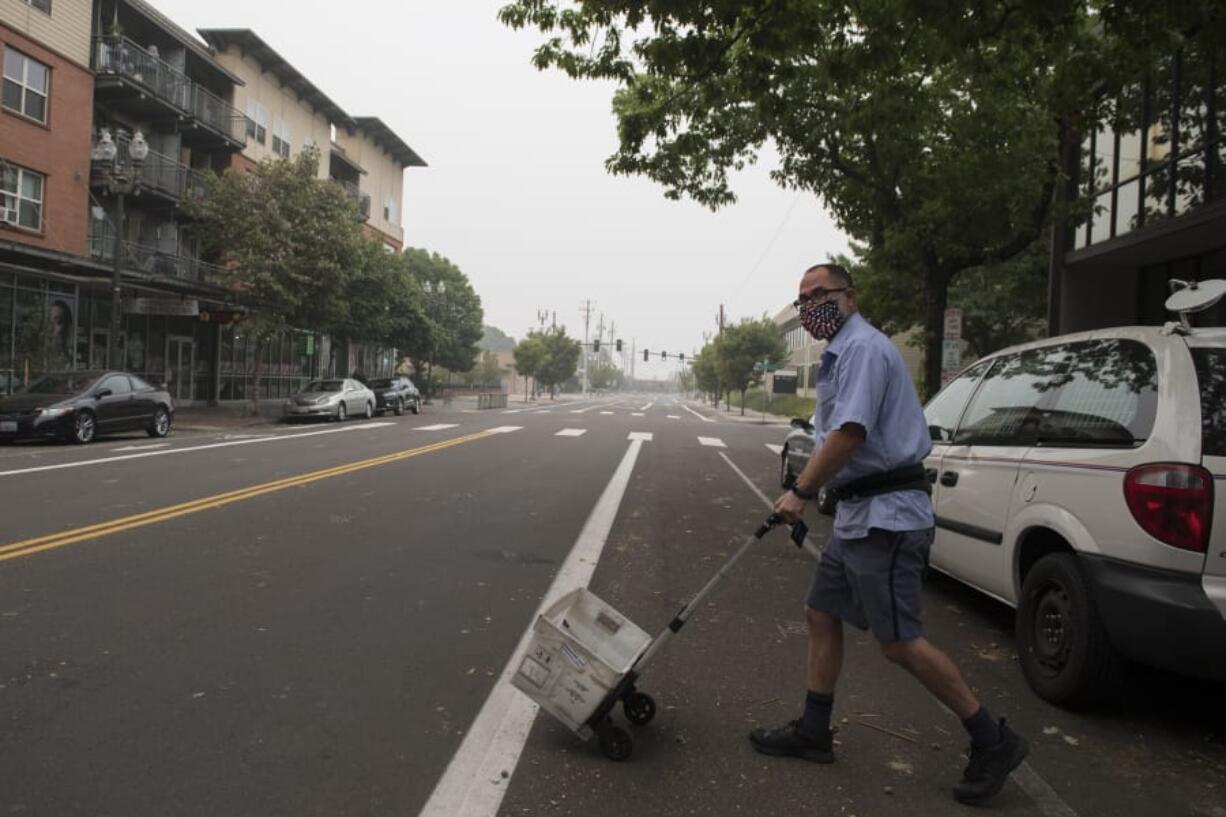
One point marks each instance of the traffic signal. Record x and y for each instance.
(619, 344)
(646, 354)
(664, 356)
(681, 357)
(596, 345)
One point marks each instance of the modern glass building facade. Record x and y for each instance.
(1154, 180)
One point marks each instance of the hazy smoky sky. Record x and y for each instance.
(516, 193)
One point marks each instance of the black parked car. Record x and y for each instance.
(78, 406)
(395, 394)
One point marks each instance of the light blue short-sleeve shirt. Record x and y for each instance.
(863, 380)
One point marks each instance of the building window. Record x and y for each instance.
(41, 5)
(257, 121)
(26, 85)
(280, 138)
(391, 213)
(21, 197)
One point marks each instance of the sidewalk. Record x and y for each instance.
(733, 415)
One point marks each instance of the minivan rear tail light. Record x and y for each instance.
(1172, 502)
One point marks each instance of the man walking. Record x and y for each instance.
(872, 440)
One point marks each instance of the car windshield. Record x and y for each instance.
(381, 383)
(63, 383)
(324, 385)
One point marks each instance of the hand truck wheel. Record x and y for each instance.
(615, 742)
(639, 708)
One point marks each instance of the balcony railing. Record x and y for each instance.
(142, 258)
(119, 56)
(216, 113)
(159, 173)
(355, 194)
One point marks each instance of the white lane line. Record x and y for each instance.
(645, 436)
(482, 768)
(577, 411)
(166, 451)
(636, 414)
(436, 427)
(649, 405)
(674, 416)
(571, 432)
(373, 425)
(543, 411)
(702, 417)
(713, 442)
(777, 449)
(606, 412)
(505, 429)
(142, 447)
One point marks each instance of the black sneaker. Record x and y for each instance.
(791, 741)
(989, 768)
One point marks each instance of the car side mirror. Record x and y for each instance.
(98, 395)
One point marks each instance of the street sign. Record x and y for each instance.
(951, 354)
(953, 323)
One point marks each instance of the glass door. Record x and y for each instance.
(180, 366)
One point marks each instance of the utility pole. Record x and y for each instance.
(587, 318)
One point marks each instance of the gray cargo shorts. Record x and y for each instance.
(874, 582)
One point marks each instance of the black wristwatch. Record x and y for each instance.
(805, 495)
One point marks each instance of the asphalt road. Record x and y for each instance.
(319, 619)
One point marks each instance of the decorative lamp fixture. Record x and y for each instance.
(105, 150)
(138, 148)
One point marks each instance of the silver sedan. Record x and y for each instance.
(337, 399)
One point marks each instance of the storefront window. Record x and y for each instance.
(8, 380)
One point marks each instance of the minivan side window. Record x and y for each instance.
(1211, 374)
(1005, 409)
(943, 411)
(1108, 395)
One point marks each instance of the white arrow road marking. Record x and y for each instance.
(702, 417)
(571, 432)
(714, 442)
(436, 427)
(778, 449)
(482, 768)
(505, 429)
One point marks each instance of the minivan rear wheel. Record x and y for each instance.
(1062, 646)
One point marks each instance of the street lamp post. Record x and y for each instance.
(436, 292)
(121, 181)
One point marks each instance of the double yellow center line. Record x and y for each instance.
(38, 544)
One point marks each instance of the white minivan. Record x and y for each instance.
(1080, 479)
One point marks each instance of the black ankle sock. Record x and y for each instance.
(816, 718)
(983, 729)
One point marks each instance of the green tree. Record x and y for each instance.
(741, 348)
(496, 340)
(706, 372)
(529, 354)
(454, 312)
(560, 359)
(488, 372)
(929, 128)
(605, 376)
(290, 245)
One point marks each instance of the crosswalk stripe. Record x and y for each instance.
(778, 449)
(713, 442)
(571, 432)
(436, 427)
(646, 436)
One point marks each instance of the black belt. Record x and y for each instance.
(906, 478)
